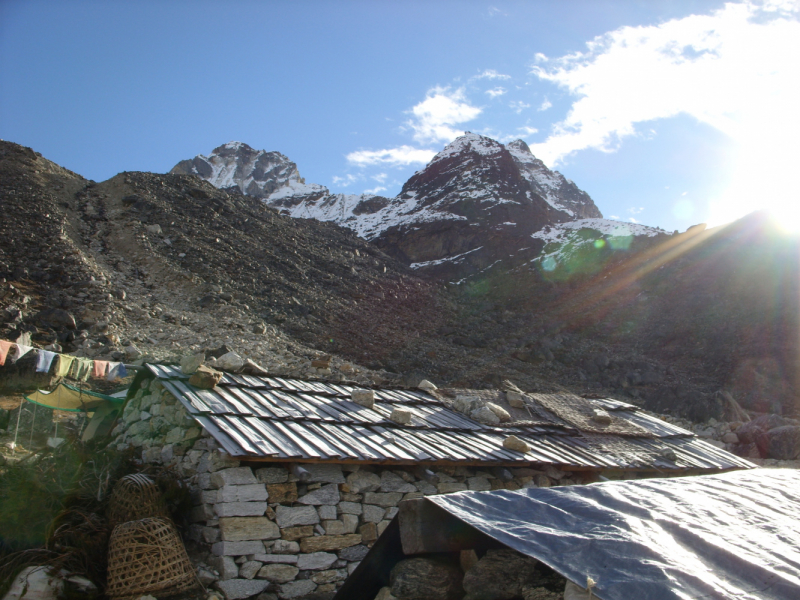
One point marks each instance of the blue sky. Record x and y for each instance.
(668, 113)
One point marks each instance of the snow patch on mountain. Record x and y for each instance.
(606, 227)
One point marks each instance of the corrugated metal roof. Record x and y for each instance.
(274, 418)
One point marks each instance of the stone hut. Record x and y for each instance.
(294, 481)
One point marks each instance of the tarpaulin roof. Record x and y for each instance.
(71, 398)
(733, 535)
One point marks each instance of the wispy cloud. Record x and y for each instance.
(545, 105)
(380, 177)
(495, 12)
(490, 74)
(346, 180)
(393, 157)
(434, 118)
(518, 105)
(495, 92)
(375, 190)
(635, 210)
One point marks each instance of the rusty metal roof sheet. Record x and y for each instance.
(278, 418)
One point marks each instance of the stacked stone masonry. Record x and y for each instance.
(290, 530)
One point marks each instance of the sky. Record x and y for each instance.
(667, 112)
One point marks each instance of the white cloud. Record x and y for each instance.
(632, 220)
(435, 116)
(518, 105)
(734, 69)
(394, 157)
(496, 92)
(380, 177)
(636, 210)
(615, 217)
(375, 190)
(490, 74)
(494, 11)
(346, 180)
(545, 105)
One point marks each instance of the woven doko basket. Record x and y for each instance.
(135, 497)
(148, 557)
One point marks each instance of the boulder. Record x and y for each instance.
(499, 411)
(401, 416)
(364, 397)
(205, 378)
(55, 318)
(784, 442)
(512, 442)
(230, 362)
(500, 575)
(485, 415)
(426, 579)
(189, 364)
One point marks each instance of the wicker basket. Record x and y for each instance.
(148, 557)
(135, 497)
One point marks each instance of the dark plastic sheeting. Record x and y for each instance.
(734, 535)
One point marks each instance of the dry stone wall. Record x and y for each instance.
(288, 530)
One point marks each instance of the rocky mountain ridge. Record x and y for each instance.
(165, 265)
(477, 201)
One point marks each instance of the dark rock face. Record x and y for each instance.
(784, 442)
(426, 579)
(500, 575)
(477, 202)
